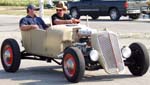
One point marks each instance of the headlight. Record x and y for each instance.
(126, 52)
(94, 55)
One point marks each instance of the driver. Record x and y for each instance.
(61, 17)
(31, 21)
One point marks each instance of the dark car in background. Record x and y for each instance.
(113, 8)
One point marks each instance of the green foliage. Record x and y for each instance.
(17, 2)
(22, 2)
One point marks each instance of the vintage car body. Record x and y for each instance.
(53, 41)
(47, 42)
(79, 47)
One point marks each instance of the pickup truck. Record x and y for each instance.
(113, 8)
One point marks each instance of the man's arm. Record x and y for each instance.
(28, 27)
(57, 21)
(68, 20)
(44, 25)
(72, 21)
(24, 26)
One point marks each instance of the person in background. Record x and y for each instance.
(61, 16)
(31, 21)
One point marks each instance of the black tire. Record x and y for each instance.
(75, 13)
(139, 59)
(114, 14)
(134, 16)
(10, 55)
(94, 17)
(73, 57)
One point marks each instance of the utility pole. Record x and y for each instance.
(41, 5)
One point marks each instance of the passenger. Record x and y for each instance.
(61, 16)
(31, 21)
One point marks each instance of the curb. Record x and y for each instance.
(138, 35)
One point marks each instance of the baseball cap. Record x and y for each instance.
(32, 6)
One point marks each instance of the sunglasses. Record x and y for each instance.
(59, 10)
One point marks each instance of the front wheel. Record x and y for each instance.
(73, 64)
(114, 14)
(139, 59)
(10, 55)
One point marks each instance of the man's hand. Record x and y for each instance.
(75, 21)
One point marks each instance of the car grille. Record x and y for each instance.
(109, 50)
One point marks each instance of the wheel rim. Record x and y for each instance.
(74, 13)
(69, 65)
(113, 14)
(8, 56)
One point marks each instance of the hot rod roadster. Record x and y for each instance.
(79, 47)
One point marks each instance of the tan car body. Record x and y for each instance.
(79, 48)
(48, 42)
(53, 41)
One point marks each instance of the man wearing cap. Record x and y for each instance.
(31, 21)
(60, 17)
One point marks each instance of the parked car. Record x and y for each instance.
(113, 8)
(146, 8)
(79, 47)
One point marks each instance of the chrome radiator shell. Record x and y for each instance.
(107, 44)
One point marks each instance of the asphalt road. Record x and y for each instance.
(10, 23)
(42, 73)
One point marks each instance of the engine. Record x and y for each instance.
(84, 44)
(98, 48)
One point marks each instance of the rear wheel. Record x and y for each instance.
(114, 14)
(75, 13)
(139, 59)
(73, 64)
(10, 55)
